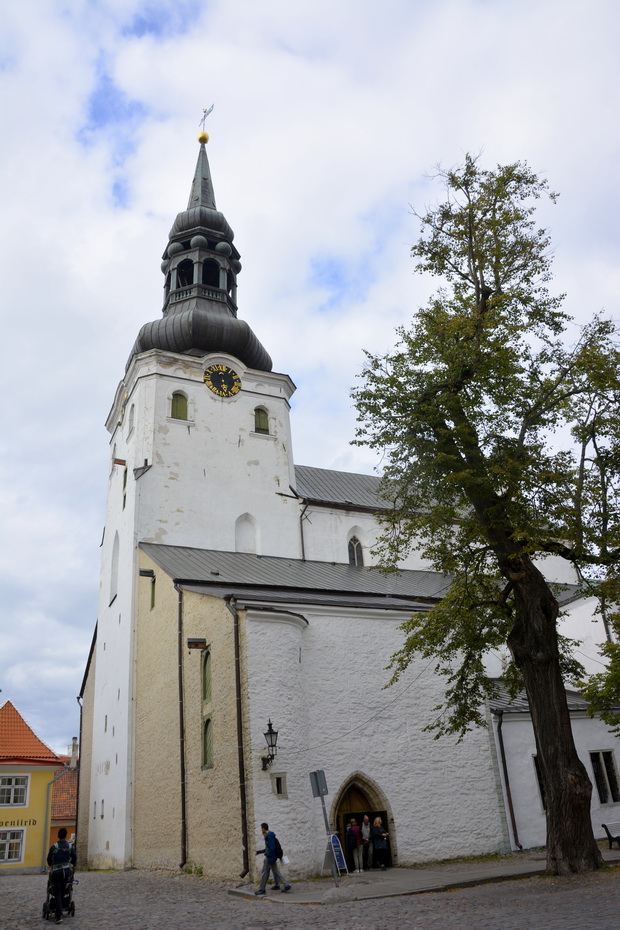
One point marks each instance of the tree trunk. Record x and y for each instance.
(533, 641)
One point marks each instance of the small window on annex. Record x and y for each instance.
(605, 777)
(541, 782)
(356, 555)
(261, 421)
(178, 409)
(207, 742)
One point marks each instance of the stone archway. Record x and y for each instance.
(360, 795)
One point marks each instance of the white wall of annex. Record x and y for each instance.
(590, 735)
(323, 688)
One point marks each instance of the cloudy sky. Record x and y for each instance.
(329, 117)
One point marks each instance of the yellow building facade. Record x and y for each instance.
(27, 770)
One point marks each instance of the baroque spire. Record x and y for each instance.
(201, 265)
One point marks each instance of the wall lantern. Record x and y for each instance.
(271, 738)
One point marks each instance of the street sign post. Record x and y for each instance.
(334, 849)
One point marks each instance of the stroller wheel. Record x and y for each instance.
(72, 909)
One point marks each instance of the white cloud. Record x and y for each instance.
(327, 118)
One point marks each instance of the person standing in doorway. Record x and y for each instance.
(366, 843)
(358, 846)
(271, 850)
(379, 841)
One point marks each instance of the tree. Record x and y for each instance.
(502, 448)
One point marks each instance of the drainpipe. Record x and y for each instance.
(500, 715)
(181, 729)
(46, 828)
(231, 605)
(79, 699)
(301, 529)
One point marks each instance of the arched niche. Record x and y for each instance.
(247, 534)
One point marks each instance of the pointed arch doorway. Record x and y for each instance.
(358, 797)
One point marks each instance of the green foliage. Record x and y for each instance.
(502, 440)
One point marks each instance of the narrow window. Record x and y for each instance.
(178, 410)
(541, 782)
(114, 568)
(206, 676)
(210, 273)
(130, 424)
(185, 273)
(605, 776)
(261, 421)
(356, 556)
(124, 488)
(207, 742)
(153, 579)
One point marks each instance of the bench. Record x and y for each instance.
(613, 833)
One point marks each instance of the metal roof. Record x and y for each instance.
(520, 704)
(246, 570)
(339, 487)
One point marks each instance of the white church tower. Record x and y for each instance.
(200, 457)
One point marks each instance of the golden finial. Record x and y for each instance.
(204, 136)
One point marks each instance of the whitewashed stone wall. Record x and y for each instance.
(332, 714)
(590, 735)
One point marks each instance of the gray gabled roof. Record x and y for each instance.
(325, 486)
(243, 570)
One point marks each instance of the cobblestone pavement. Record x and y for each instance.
(163, 901)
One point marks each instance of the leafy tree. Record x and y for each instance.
(502, 449)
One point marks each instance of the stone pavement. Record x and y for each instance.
(159, 900)
(444, 876)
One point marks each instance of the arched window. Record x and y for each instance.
(211, 273)
(185, 273)
(207, 742)
(247, 534)
(206, 676)
(178, 410)
(261, 421)
(356, 555)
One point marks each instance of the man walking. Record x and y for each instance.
(272, 851)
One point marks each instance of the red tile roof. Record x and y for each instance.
(64, 795)
(18, 742)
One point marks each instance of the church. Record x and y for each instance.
(243, 634)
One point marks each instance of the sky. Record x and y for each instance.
(329, 119)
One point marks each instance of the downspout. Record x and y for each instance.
(230, 604)
(79, 699)
(46, 828)
(301, 529)
(500, 715)
(181, 729)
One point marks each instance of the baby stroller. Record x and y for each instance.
(68, 904)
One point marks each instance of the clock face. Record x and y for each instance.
(222, 380)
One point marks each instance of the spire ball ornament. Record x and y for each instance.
(203, 137)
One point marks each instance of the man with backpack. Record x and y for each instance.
(273, 853)
(61, 860)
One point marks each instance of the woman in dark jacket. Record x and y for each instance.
(379, 838)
